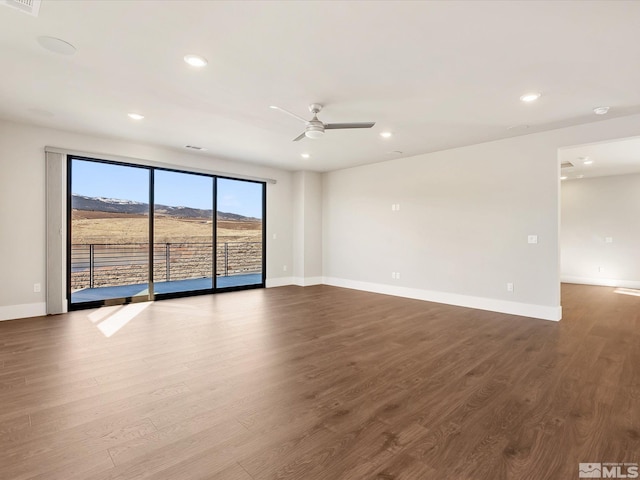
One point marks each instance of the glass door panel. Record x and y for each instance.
(109, 232)
(239, 233)
(183, 232)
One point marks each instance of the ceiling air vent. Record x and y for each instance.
(32, 7)
(566, 164)
(193, 147)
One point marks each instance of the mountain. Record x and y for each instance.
(116, 205)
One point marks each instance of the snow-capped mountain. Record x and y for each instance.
(117, 205)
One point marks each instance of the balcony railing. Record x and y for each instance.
(101, 264)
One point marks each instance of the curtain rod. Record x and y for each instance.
(152, 163)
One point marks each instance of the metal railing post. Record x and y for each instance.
(226, 259)
(167, 249)
(91, 266)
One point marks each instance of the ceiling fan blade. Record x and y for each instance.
(289, 113)
(299, 137)
(337, 126)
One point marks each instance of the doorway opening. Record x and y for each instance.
(599, 212)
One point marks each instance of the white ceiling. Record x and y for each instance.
(620, 157)
(436, 74)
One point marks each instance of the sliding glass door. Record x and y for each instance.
(109, 232)
(183, 232)
(240, 233)
(139, 233)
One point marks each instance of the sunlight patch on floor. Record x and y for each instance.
(110, 320)
(627, 291)
(101, 313)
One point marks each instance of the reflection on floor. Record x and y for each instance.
(126, 291)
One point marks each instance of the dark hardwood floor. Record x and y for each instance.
(320, 383)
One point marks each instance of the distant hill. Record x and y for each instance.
(115, 205)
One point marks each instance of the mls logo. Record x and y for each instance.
(608, 470)
(590, 470)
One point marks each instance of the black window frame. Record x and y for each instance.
(152, 296)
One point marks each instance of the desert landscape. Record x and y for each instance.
(110, 242)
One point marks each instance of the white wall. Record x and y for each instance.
(461, 232)
(459, 237)
(22, 205)
(307, 249)
(307, 228)
(592, 210)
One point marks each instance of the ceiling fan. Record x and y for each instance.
(315, 128)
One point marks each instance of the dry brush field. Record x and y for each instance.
(103, 227)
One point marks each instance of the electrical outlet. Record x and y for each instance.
(37, 288)
(275, 235)
(601, 269)
(532, 239)
(284, 268)
(395, 275)
(509, 287)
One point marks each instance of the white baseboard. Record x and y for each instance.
(12, 312)
(278, 282)
(481, 303)
(307, 281)
(601, 282)
(299, 281)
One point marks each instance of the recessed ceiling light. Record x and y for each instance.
(56, 45)
(587, 162)
(563, 178)
(196, 61)
(601, 110)
(530, 97)
(305, 155)
(385, 134)
(136, 116)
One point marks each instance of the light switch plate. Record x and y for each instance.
(532, 239)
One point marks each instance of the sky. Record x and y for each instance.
(94, 179)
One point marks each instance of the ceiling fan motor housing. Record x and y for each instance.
(315, 129)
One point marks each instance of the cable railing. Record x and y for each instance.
(106, 265)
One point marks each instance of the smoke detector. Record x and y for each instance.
(30, 7)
